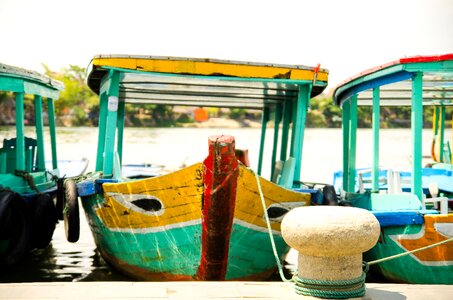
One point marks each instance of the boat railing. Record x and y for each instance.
(8, 155)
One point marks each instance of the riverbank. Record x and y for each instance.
(224, 123)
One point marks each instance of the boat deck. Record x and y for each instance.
(203, 290)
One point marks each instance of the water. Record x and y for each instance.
(173, 147)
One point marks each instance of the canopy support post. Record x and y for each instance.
(417, 126)
(264, 120)
(352, 144)
(277, 120)
(121, 107)
(39, 134)
(112, 114)
(101, 136)
(20, 137)
(303, 102)
(376, 127)
(53, 133)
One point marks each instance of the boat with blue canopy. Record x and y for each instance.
(206, 221)
(414, 204)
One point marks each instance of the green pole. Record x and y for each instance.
(346, 112)
(264, 120)
(121, 107)
(41, 162)
(20, 137)
(112, 115)
(442, 132)
(303, 102)
(101, 133)
(52, 130)
(352, 143)
(287, 108)
(376, 125)
(278, 113)
(417, 126)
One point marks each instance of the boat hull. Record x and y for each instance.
(430, 266)
(166, 243)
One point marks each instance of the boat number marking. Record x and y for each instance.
(113, 103)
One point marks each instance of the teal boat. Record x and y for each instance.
(205, 221)
(413, 205)
(28, 214)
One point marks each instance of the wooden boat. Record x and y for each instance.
(411, 205)
(205, 221)
(27, 212)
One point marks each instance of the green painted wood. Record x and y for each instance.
(11, 84)
(20, 137)
(121, 110)
(293, 131)
(303, 102)
(287, 109)
(417, 126)
(53, 133)
(277, 120)
(101, 135)
(352, 143)
(111, 123)
(442, 134)
(33, 88)
(264, 120)
(376, 126)
(41, 162)
(346, 115)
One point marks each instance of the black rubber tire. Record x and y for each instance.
(15, 227)
(44, 221)
(329, 195)
(71, 211)
(59, 204)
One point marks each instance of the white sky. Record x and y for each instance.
(344, 36)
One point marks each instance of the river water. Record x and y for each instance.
(173, 147)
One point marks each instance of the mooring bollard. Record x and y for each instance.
(330, 241)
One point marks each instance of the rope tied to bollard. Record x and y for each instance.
(338, 289)
(341, 289)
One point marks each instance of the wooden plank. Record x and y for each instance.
(203, 290)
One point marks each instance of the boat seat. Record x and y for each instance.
(2, 161)
(9, 155)
(286, 179)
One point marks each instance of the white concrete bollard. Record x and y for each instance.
(330, 241)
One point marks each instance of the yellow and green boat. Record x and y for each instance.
(206, 221)
(413, 204)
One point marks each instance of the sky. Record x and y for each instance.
(345, 37)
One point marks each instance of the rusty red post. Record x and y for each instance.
(220, 180)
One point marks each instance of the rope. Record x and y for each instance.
(269, 229)
(319, 288)
(338, 289)
(409, 252)
(28, 178)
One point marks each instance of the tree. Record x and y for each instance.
(77, 100)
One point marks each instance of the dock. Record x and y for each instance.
(204, 290)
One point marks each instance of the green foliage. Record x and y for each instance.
(237, 113)
(77, 100)
(323, 113)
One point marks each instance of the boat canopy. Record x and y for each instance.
(395, 82)
(204, 82)
(282, 92)
(413, 81)
(25, 154)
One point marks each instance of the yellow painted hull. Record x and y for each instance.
(151, 228)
